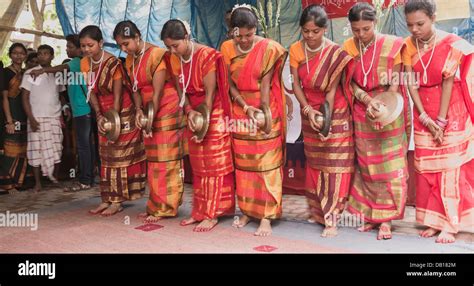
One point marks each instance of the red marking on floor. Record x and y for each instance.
(265, 248)
(149, 227)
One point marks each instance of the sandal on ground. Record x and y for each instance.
(77, 187)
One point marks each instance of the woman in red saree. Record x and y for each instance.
(146, 66)
(255, 66)
(443, 122)
(379, 190)
(316, 66)
(203, 80)
(122, 174)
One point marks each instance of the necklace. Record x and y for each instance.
(135, 73)
(99, 61)
(245, 51)
(183, 80)
(427, 42)
(366, 47)
(320, 48)
(92, 82)
(366, 73)
(425, 67)
(190, 57)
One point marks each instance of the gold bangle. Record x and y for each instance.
(245, 108)
(235, 98)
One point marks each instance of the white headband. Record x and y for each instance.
(187, 27)
(237, 6)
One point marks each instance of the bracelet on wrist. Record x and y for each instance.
(425, 119)
(245, 108)
(441, 123)
(307, 109)
(235, 98)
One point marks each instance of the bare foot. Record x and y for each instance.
(13, 191)
(112, 209)
(329, 231)
(446, 237)
(142, 215)
(206, 225)
(429, 232)
(37, 188)
(265, 228)
(53, 180)
(385, 231)
(241, 221)
(152, 219)
(188, 221)
(367, 227)
(100, 208)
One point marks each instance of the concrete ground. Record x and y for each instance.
(64, 226)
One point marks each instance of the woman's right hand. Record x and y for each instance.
(251, 112)
(312, 113)
(138, 116)
(191, 119)
(100, 124)
(10, 128)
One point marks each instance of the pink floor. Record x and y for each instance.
(71, 230)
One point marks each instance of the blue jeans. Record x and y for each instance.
(85, 149)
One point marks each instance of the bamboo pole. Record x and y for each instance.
(29, 31)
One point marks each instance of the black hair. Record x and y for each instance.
(243, 18)
(31, 56)
(314, 13)
(73, 39)
(427, 6)
(228, 11)
(92, 32)
(126, 29)
(362, 11)
(173, 29)
(16, 45)
(46, 47)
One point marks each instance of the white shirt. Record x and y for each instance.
(44, 94)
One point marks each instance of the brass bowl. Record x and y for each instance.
(324, 120)
(202, 121)
(264, 119)
(390, 111)
(112, 125)
(147, 120)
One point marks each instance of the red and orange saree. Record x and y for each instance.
(122, 175)
(379, 188)
(165, 148)
(211, 160)
(445, 172)
(258, 157)
(330, 163)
